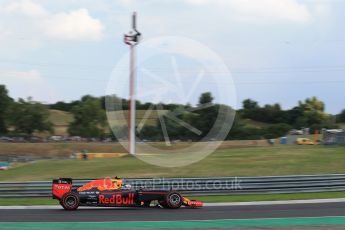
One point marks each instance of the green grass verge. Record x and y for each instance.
(58, 149)
(207, 199)
(258, 161)
(270, 197)
(27, 201)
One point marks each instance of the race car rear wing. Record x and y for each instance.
(60, 187)
(63, 181)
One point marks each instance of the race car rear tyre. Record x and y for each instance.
(173, 200)
(70, 201)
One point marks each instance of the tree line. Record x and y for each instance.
(22, 116)
(26, 116)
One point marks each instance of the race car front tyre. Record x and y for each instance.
(173, 200)
(70, 201)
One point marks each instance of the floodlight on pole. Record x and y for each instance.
(132, 39)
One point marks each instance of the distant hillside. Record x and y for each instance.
(255, 124)
(60, 120)
(151, 118)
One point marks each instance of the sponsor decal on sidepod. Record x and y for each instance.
(117, 199)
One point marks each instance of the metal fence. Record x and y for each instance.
(341, 138)
(201, 186)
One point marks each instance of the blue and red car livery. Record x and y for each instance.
(111, 193)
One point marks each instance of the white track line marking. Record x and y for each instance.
(315, 201)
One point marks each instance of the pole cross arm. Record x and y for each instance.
(133, 37)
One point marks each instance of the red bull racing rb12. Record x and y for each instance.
(111, 193)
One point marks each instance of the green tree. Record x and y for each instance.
(250, 109)
(268, 113)
(240, 131)
(172, 122)
(5, 102)
(206, 98)
(28, 116)
(207, 113)
(293, 117)
(64, 106)
(150, 132)
(276, 130)
(313, 112)
(271, 113)
(341, 116)
(250, 104)
(89, 118)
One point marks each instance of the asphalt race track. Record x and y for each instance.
(158, 214)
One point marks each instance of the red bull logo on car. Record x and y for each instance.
(117, 199)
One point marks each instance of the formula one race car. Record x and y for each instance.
(111, 193)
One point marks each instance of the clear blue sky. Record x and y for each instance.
(277, 50)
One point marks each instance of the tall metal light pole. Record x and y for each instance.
(132, 39)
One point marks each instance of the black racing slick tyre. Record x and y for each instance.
(70, 201)
(173, 200)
